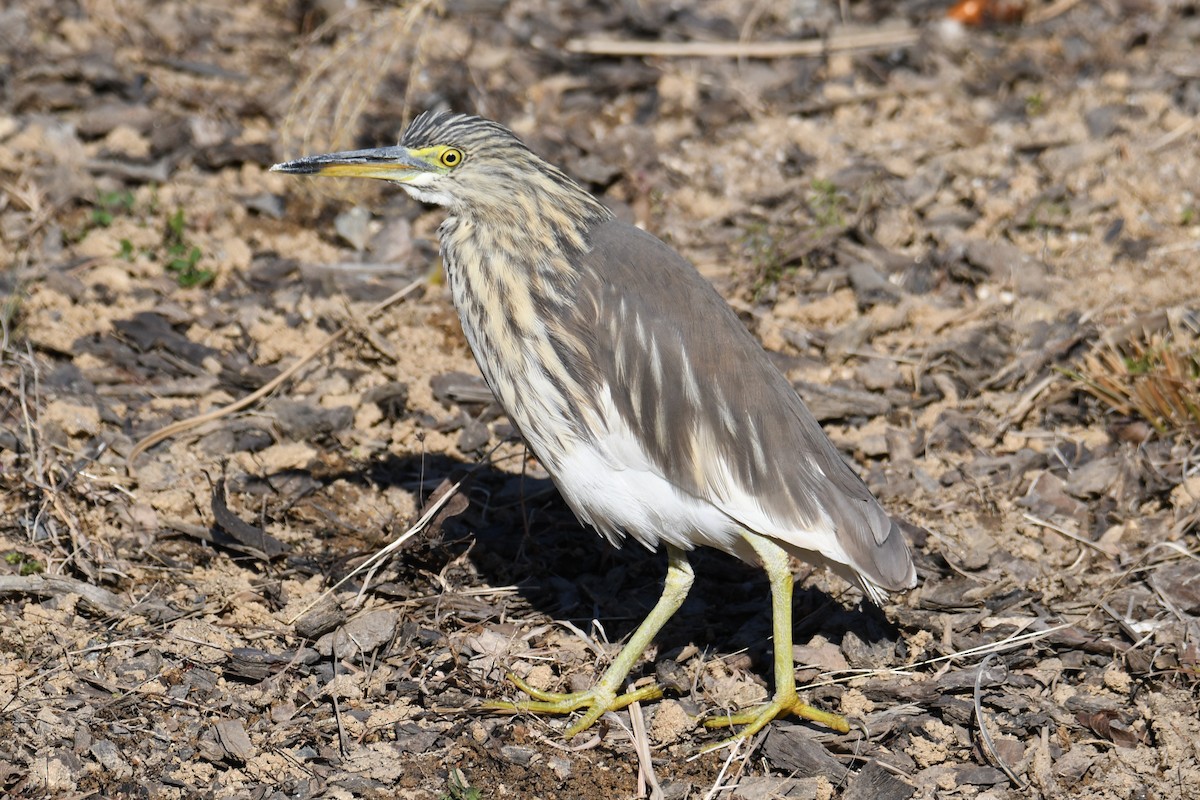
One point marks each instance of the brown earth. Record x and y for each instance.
(937, 238)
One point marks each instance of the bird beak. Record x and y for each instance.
(385, 163)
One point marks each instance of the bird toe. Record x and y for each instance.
(597, 701)
(757, 718)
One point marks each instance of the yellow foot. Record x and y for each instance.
(597, 700)
(755, 719)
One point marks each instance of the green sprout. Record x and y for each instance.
(457, 787)
(183, 258)
(108, 205)
(827, 204)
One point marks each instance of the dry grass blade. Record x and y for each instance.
(48, 485)
(329, 102)
(1154, 376)
(734, 751)
(1107, 549)
(641, 745)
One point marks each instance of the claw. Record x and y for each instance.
(598, 700)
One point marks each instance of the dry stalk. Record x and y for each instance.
(47, 491)
(839, 41)
(647, 780)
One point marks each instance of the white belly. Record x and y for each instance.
(611, 485)
(641, 503)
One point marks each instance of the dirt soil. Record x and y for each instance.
(941, 239)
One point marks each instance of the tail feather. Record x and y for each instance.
(876, 545)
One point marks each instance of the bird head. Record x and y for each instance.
(473, 166)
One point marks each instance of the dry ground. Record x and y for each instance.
(937, 238)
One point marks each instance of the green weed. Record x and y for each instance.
(108, 205)
(827, 204)
(766, 255)
(183, 258)
(26, 566)
(457, 788)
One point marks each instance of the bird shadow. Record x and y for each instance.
(517, 531)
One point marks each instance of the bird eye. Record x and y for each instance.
(451, 157)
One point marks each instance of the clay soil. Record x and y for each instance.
(943, 239)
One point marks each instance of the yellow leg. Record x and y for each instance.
(603, 696)
(785, 701)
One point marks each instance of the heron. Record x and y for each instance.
(656, 413)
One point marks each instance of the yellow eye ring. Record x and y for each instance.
(450, 157)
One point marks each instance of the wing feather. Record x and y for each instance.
(716, 418)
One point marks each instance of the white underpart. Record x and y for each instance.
(613, 485)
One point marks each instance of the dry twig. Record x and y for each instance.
(836, 42)
(984, 735)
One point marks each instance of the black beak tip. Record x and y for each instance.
(302, 166)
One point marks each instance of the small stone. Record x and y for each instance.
(871, 287)
(867, 655)
(391, 398)
(1061, 161)
(561, 767)
(354, 226)
(74, 419)
(304, 421)
(879, 375)
(1008, 265)
(474, 436)
(231, 733)
(1094, 478)
(670, 722)
(820, 653)
(364, 633)
(109, 756)
(519, 755)
(771, 787)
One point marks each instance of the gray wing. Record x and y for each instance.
(718, 420)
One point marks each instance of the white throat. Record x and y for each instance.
(418, 188)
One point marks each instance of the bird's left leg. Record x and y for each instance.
(603, 696)
(785, 701)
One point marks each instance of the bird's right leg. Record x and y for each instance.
(604, 695)
(786, 701)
